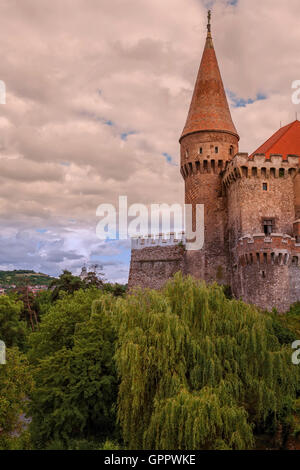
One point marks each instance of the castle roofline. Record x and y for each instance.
(285, 141)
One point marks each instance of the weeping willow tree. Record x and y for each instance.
(198, 371)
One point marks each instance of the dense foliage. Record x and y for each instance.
(181, 368)
(12, 328)
(199, 371)
(16, 385)
(76, 383)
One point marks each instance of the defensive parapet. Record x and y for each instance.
(268, 270)
(276, 249)
(202, 166)
(150, 241)
(241, 166)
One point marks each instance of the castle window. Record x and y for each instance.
(200, 150)
(265, 186)
(281, 172)
(263, 172)
(231, 150)
(268, 226)
(263, 274)
(216, 149)
(244, 171)
(186, 154)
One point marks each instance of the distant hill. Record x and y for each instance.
(17, 278)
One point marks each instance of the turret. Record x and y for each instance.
(208, 141)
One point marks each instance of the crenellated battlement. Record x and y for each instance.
(278, 248)
(203, 166)
(150, 241)
(242, 166)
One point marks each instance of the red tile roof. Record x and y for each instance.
(209, 108)
(286, 141)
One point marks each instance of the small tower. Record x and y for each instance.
(208, 141)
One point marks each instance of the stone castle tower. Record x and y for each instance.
(251, 204)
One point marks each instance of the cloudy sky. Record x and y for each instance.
(97, 96)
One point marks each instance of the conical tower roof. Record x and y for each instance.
(209, 110)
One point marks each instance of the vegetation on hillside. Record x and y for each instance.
(17, 277)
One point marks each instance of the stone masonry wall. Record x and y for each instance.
(248, 205)
(204, 156)
(269, 270)
(151, 267)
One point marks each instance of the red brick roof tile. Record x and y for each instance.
(286, 141)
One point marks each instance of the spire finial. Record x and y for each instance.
(208, 21)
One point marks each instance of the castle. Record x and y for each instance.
(251, 205)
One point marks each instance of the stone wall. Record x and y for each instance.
(269, 270)
(204, 156)
(151, 267)
(244, 182)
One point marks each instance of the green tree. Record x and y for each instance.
(66, 283)
(58, 325)
(16, 384)
(76, 382)
(198, 370)
(12, 329)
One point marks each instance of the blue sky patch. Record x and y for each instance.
(238, 102)
(124, 135)
(169, 158)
